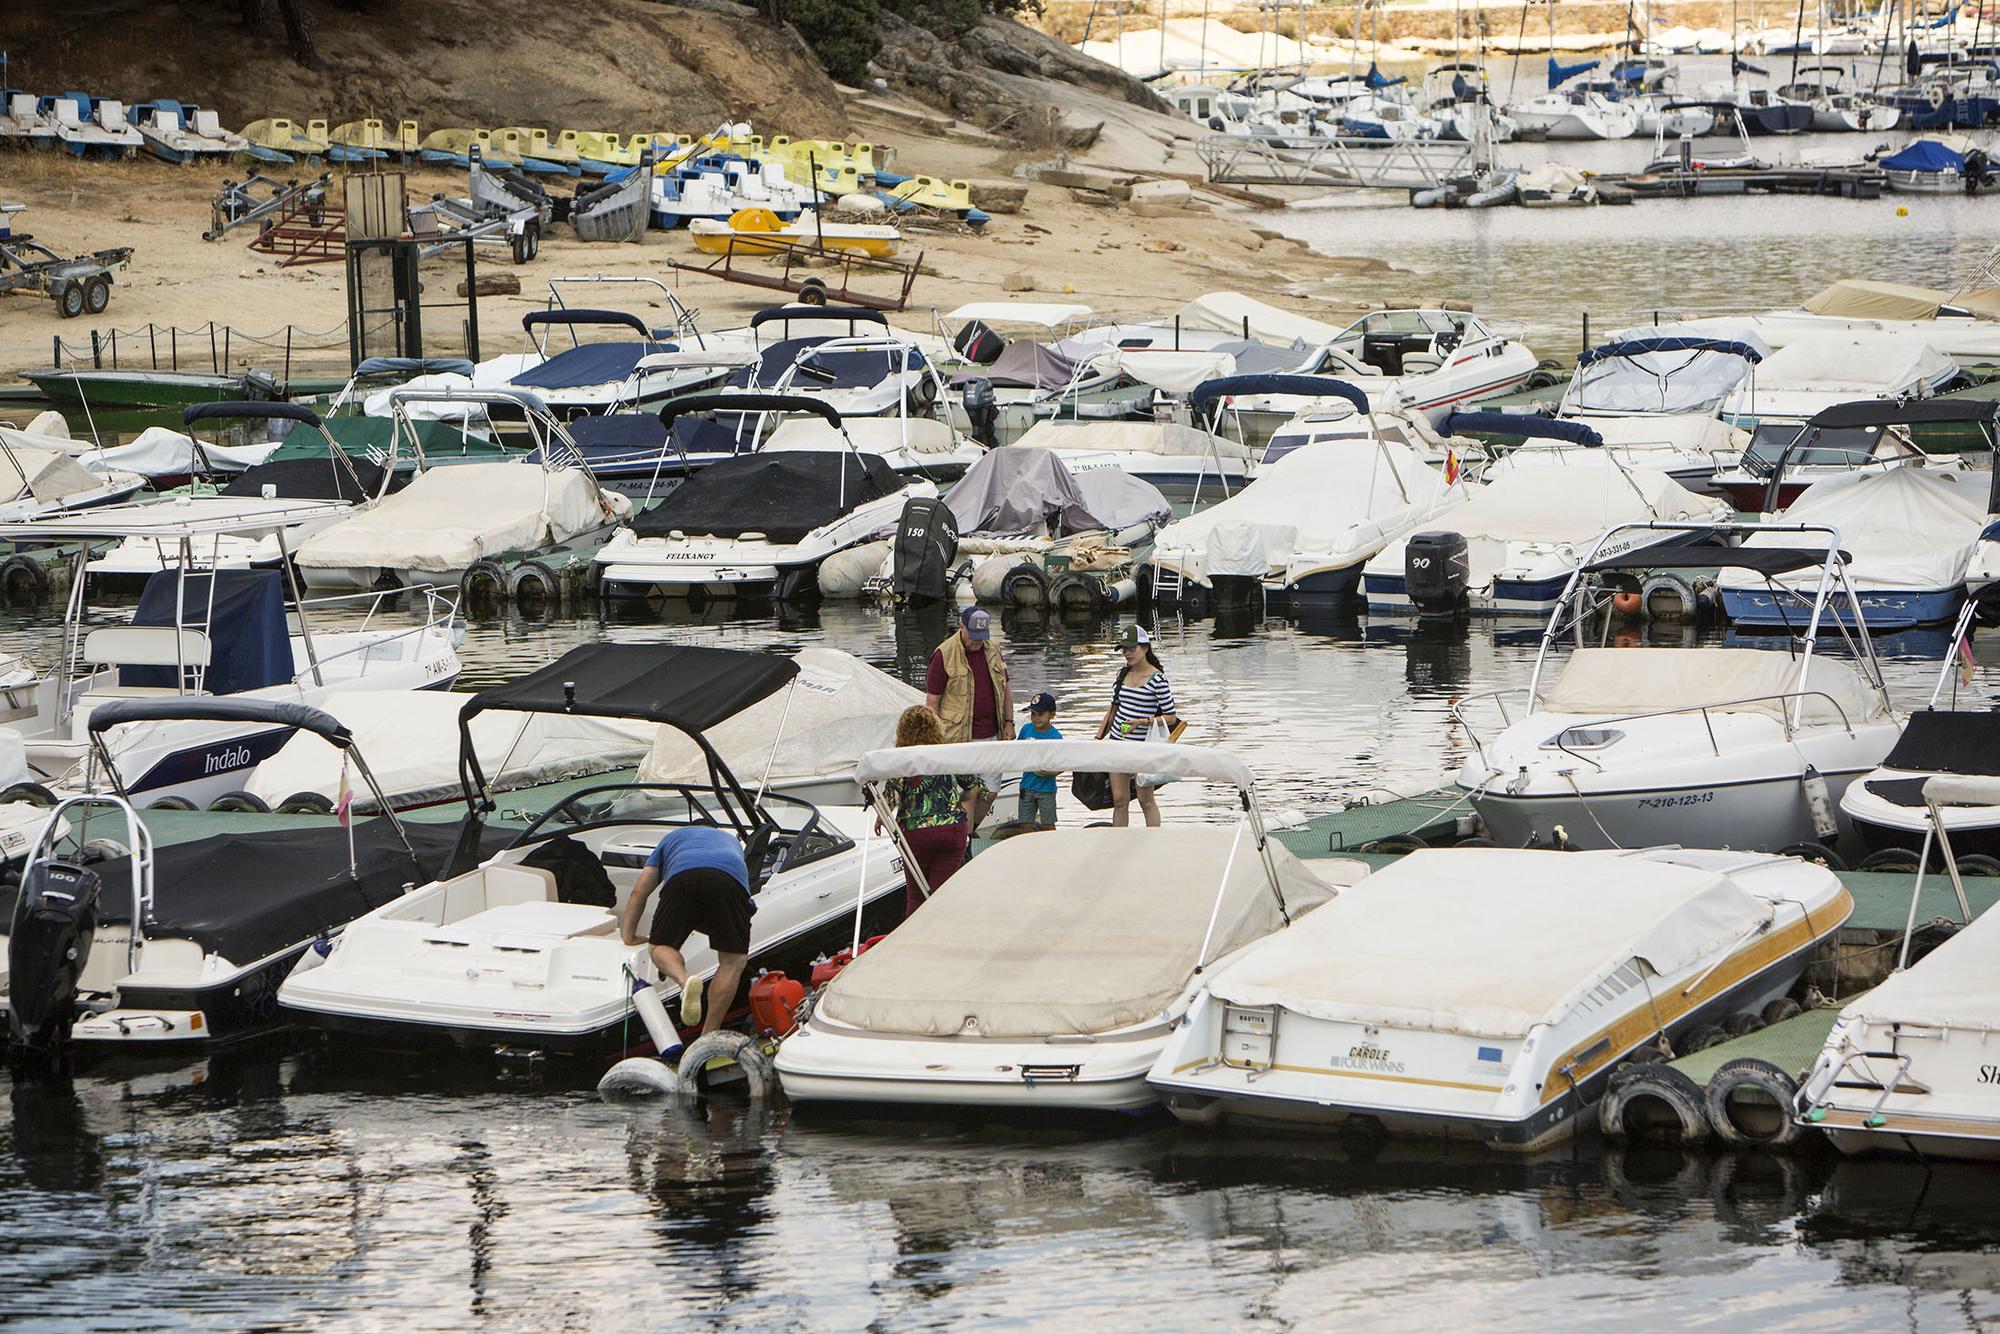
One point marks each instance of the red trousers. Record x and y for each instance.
(939, 851)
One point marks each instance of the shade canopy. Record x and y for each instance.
(817, 407)
(1300, 386)
(851, 314)
(1713, 555)
(1515, 423)
(1639, 347)
(239, 411)
(690, 686)
(1911, 412)
(415, 366)
(211, 709)
(617, 318)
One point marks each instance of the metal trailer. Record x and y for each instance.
(503, 207)
(796, 260)
(266, 201)
(76, 284)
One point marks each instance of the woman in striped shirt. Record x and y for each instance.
(1140, 696)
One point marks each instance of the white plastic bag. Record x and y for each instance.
(1160, 733)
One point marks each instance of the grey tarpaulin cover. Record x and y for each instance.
(1027, 491)
(1068, 931)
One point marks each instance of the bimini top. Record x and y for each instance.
(739, 402)
(1671, 373)
(808, 363)
(211, 709)
(783, 495)
(617, 318)
(1523, 424)
(1490, 942)
(414, 366)
(1714, 555)
(786, 314)
(1945, 742)
(690, 686)
(238, 411)
(1297, 386)
(1907, 412)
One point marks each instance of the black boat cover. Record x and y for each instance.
(1768, 561)
(782, 495)
(323, 478)
(856, 369)
(1941, 741)
(211, 709)
(238, 411)
(690, 686)
(1916, 412)
(249, 644)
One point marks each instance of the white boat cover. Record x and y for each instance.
(871, 435)
(1594, 494)
(1956, 985)
(1175, 372)
(1553, 177)
(1119, 498)
(159, 452)
(46, 474)
(1069, 931)
(1862, 299)
(447, 518)
(1655, 382)
(1168, 439)
(1867, 364)
(14, 756)
(1620, 682)
(1905, 528)
(410, 739)
(1489, 942)
(1962, 789)
(1021, 491)
(1047, 314)
(837, 709)
(493, 373)
(1055, 757)
(1339, 501)
(1227, 312)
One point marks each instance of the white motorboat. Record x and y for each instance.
(1959, 325)
(1332, 419)
(1511, 544)
(1423, 360)
(860, 375)
(1575, 114)
(182, 947)
(759, 523)
(1784, 459)
(1006, 384)
(1838, 104)
(1489, 993)
(1301, 530)
(1819, 371)
(591, 377)
(43, 480)
(1909, 1067)
(1718, 747)
(999, 992)
(521, 949)
(1184, 462)
(450, 522)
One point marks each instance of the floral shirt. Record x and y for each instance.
(929, 801)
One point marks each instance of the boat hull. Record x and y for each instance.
(1765, 813)
(1882, 609)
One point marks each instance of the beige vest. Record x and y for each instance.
(955, 705)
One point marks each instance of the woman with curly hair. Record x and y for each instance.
(930, 810)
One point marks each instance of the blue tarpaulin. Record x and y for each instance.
(1560, 73)
(1923, 155)
(249, 645)
(1522, 424)
(592, 363)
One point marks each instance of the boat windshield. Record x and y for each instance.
(799, 834)
(1828, 447)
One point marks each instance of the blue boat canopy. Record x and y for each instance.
(617, 317)
(1639, 347)
(1521, 423)
(817, 407)
(201, 412)
(852, 314)
(1923, 155)
(1302, 386)
(1560, 73)
(414, 366)
(1377, 79)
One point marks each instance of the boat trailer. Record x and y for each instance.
(503, 207)
(266, 201)
(798, 257)
(76, 284)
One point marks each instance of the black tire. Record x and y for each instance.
(1701, 1039)
(533, 587)
(69, 300)
(1077, 595)
(758, 1078)
(102, 850)
(484, 584)
(1978, 863)
(1653, 1102)
(1780, 1010)
(813, 293)
(97, 294)
(1736, 1025)
(1395, 843)
(1026, 585)
(24, 581)
(32, 793)
(1890, 859)
(242, 803)
(171, 803)
(1749, 1105)
(306, 803)
(1817, 853)
(521, 246)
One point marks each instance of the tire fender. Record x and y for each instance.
(1763, 1081)
(483, 583)
(531, 584)
(739, 1047)
(1668, 1106)
(24, 580)
(1026, 585)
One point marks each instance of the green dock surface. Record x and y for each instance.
(1791, 1046)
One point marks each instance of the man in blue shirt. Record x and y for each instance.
(704, 886)
(1038, 790)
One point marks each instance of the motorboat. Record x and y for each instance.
(756, 523)
(1911, 535)
(1300, 531)
(1889, 809)
(180, 947)
(1399, 1006)
(1422, 360)
(1730, 747)
(1688, 122)
(1185, 462)
(999, 992)
(446, 521)
(521, 950)
(596, 377)
(1820, 370)
(1335, 418)
(862, 374)
(1512, 544)
(44, 479)
(1006, 384)
(1785, 459)
(1908, 1067)
(1763, 111)
(1925, 167)
(1959, 324)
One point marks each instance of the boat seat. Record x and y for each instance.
(147, 646)
(1418, 363)
(519, 884)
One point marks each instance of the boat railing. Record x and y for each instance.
(440, 614)
(1782, 697)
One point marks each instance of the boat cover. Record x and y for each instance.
(688, 685)
(1941, 741)
(1024, 364)
(1175, 372)
(1956, 984)
(1861, 299)
(1867, 363)
(1658, 375)
(1247, 317)
(1255, 358)
(1169, 439)
(1069, 931)
(871, 435)
(1024, 491)
(838, 709)
(410, 738)
(857, 369)
(1621, 682)
(1723, 328)
(248, 896)
(1489, 942)
(46, 474)
(319, 478)
(1337, 501)
(783, 496)
(1594, 494)
(582, 366)
(447, 518)
(1119, 498)
(159, 452)
(1923, 155)
(1904, 528)
(1553, 178)
(250, 645)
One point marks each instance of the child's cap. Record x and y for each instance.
(1042, 703)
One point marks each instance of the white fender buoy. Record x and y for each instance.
(638, 1076)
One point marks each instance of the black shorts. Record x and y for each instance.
(706, 900)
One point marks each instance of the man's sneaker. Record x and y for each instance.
(691, 1001)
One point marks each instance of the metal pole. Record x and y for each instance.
(1222, 891)
(298, 600)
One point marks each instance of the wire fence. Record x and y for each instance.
(212, 347)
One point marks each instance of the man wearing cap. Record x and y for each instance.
(966, 687)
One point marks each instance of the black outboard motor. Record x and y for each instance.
(926, 544)
(1437, 569)
(978, 344)
(48, 944)
(981, 411)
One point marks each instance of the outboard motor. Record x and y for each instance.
(981, 411)
(978, 344)
(926, 544)
(1437, 570)
(48, 944)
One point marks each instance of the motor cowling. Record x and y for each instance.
(982, 411)
(926, 544)
(1437, 571)
(977, 343)
(48, 944)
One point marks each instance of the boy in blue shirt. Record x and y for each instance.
(1038, 790)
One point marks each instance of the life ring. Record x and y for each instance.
(1749, 1105)
(483, 584)
(758, 1076)
(306, 803)
(241, 803)
(1653, 1102)
(24, 580)
(1026, 585)
(1935, 96)
(533, 586)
